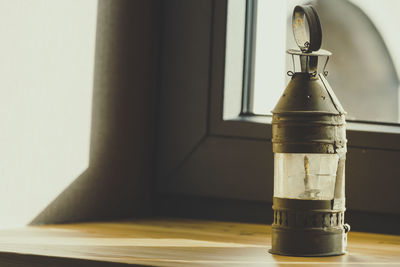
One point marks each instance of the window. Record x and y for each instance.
(213, 146)
(363, 70)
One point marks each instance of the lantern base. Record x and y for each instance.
(308, 243)
(308, 228)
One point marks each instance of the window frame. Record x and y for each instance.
(367, 134)
(231, 158)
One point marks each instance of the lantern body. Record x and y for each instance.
(309, 144)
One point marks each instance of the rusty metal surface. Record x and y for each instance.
(306, 93)
(308, 228)
(308, 118)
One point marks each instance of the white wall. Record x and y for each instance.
(46, 77)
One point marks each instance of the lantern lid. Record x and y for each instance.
(308, 91)
(307, 94)
(321, 52)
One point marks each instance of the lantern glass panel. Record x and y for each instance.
(305, 176)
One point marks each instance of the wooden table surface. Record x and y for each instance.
(174, 242)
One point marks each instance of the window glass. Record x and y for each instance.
(363, 70)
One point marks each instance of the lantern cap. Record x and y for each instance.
(307, 94)
(321, 52)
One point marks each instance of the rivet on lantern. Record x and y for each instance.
(309, 145)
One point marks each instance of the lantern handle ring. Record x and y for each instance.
(306, 28)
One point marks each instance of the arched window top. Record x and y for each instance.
(362, 71)
(384, 15)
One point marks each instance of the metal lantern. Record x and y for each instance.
(309, 145)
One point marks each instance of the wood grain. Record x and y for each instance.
(174, 242)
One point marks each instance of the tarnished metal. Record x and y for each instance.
(308, 228)
(307, 28)
(309, 118)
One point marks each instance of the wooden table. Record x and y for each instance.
(174, 242)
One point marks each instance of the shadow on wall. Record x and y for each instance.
(118, 181)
